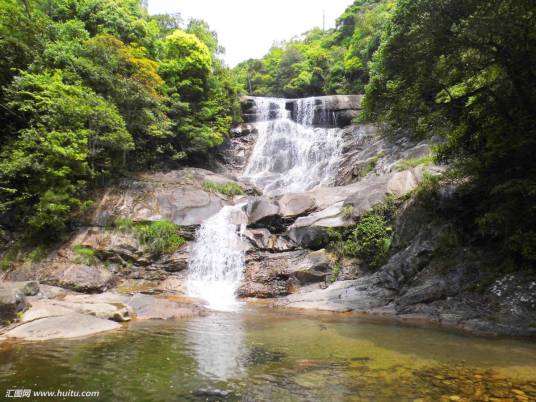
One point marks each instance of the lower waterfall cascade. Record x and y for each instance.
(217, 260)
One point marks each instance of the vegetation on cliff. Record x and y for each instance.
(465, 71)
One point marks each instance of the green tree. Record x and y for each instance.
(72, 136)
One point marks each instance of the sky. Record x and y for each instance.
(248, 28)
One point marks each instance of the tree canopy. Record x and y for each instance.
(89, 88)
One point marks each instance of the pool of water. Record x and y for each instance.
(262, 354)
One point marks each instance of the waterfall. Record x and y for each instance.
(217, 260)
(291, 155)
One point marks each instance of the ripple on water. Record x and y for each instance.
(267, 355)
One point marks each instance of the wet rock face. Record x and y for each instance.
(326, 111)
(329, 111)
(277, 274)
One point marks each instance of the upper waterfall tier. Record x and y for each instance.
(321, 111)
(292, 153)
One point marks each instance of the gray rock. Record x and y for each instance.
(79, 304)
(262, 239)
(80, 278)
(261, 208)
(313, 268)
(177, 196)
(11, 303)
(72, 325)
(293, 205)
(13, 298)
(278, 274)
(363, 294)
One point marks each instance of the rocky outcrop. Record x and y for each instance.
(116, 255)
(422, 280)
(79, 277)
(178, 196)
(277, 274)
(329, 111)
(233, 155)
(50, 311)
(147, 307)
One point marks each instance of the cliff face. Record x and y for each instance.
(289, 256)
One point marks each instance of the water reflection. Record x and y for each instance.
(217, 343)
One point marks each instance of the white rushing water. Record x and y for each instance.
(217, 259)
(293, 156)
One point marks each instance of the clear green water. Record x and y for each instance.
(261, 354)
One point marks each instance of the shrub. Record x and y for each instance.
(335, 272)
(229, 189)
(411, 163)
(9, 256)
(370, 165)
(159, 237)
(347, 211)
(37, 254)
(84, 255)
(124, 225)
(370, 240)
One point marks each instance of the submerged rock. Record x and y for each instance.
(155, 308)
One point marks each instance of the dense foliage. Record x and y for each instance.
(91, 87)
(321, 62)
(464, 70)
(369, 239)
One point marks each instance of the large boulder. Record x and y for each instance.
(261, 209)
(77, 304)
(80, 278)
(73, 325)
(362, 294)
(311, 231)
(293, 205)
(313, 268)
(13, 298)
